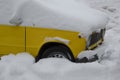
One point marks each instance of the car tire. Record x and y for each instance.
(57, 52)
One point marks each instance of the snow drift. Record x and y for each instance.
(59, 14)
(22, 67)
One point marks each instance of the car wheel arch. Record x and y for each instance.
(52, 44)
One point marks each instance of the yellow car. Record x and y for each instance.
(46, 42)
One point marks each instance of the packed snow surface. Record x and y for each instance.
(22, 66)
(59, 14)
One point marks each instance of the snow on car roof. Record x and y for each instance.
(59, 14)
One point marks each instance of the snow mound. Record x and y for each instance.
(59, 14)
(21, 67)
(89, 54)
(111, 7)
(24, 58)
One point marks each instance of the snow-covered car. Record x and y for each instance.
(67, 29)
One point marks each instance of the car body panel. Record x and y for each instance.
(15, 39)
(12, 39)
(37, 37)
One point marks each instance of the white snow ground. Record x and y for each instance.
(22, 66)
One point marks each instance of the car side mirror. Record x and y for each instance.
(16, 21)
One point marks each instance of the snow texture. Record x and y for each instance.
(59, 14)
(65, 41)
(22, 66)
(89, 54)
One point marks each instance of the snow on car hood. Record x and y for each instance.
(59, 14)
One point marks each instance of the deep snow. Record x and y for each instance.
(55, 14)
(22, 66)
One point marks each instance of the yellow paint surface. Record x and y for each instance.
(12, 39)
(15, 39)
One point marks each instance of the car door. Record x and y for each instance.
(12, 39)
